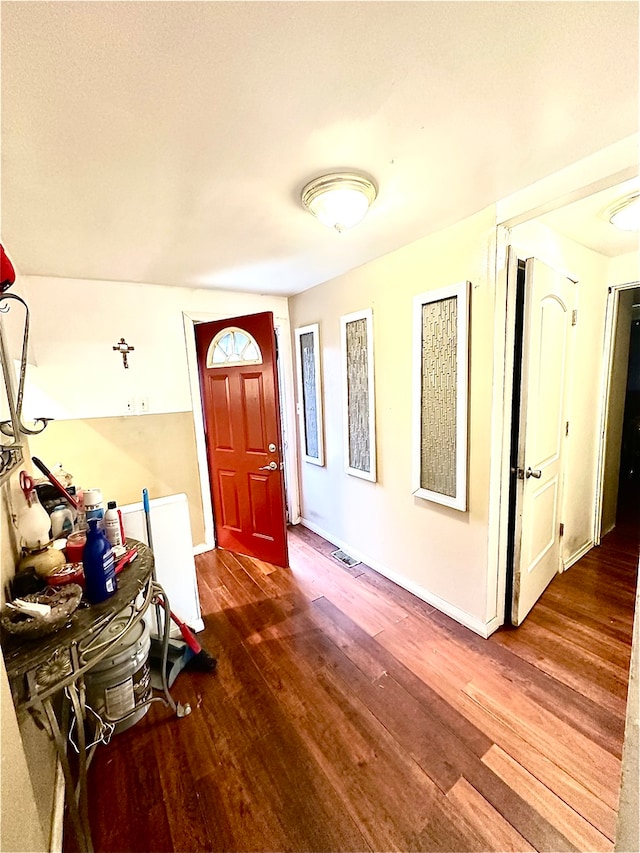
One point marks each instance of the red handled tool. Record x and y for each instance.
(201, 660)
(127, 558)
(39, 464)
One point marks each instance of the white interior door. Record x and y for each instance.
(547, 321)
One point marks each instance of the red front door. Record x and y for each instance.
(239, 386)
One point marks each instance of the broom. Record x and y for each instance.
(201, 660)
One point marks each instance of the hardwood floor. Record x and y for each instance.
(346, 714)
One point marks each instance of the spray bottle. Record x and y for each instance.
(112, 527)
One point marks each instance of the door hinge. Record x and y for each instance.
(561, 529)
(574, 317)
(566, 428)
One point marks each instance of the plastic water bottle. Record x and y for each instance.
(61, 522)
(99, 565)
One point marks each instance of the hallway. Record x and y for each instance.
(579, 630)
(348, 715)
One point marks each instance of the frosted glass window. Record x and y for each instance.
(358, 394)
(438, 397)
(309, 393)
(309, 379)
(441, 353)
(233, 346)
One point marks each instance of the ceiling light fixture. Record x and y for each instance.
(625, 214)
(339, 200)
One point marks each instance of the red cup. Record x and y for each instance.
(75, 546)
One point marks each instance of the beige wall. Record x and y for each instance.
(9, 546)
(438, 552)
(628, 828)
(123, 455)
(625, 268)
(20, 828)
(28, 757)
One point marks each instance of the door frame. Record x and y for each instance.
(598, 171)
(611, 319)
(287, 416)
(514, 254)
(508, 255)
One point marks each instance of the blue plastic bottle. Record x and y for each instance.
(99, 565)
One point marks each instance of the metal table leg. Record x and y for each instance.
(178, 708)
(80, 795)
(80, 823)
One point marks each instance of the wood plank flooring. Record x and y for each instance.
(348, 715)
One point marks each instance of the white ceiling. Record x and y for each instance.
(587, 221)
(167, 142)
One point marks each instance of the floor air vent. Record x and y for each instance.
(344, 558)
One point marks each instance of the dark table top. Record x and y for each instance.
(23, 655)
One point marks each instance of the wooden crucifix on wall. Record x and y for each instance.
(124, 349)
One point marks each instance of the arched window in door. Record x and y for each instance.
(233, 346)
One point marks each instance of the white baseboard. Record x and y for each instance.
(202, 548)
(57, 814)
(578, 555)
(461, 616)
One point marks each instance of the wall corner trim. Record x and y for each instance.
(578, 555)
(461, 616)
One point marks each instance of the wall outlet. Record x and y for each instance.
(143, 404)
(130, 406)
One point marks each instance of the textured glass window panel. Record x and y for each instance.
(219, 356)
(309, 379)
(438, 397)
(233, 346)
(358, 395)
(251, 352)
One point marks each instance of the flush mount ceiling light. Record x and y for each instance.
(339, 200)
(625, 214)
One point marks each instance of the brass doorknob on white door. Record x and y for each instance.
(272, 466)
(530, 472)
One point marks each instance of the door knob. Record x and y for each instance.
(530, 472)
(272, 466)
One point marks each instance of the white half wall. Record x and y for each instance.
(76, 323)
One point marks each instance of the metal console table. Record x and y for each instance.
(40, 669)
